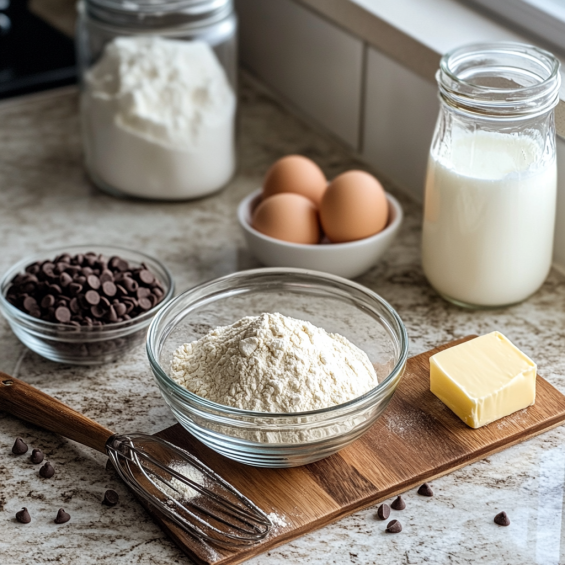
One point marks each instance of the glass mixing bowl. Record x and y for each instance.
(269, 439)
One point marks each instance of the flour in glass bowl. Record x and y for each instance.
(273, 363)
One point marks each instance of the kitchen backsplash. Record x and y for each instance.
(380, 109)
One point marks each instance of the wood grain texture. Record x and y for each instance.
(32, 405)
(417, 439)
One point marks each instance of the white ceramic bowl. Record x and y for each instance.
(347, 260)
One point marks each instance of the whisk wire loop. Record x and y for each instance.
(233, 520)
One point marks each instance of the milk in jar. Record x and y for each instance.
(489, 217)
(490, 193)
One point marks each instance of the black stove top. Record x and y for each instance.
(34, 56)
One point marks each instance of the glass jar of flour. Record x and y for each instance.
(158, 95)
(490, 193)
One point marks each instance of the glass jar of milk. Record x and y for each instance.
(158, 95)
(490, 195)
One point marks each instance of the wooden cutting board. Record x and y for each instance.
(417, 439)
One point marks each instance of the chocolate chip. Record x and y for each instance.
(143, 292)
(502, 519)
(48, 301)
(23, 516)
(30, 303)
(120, 309)
(97, 311)
(93, 282)
(425, 490)
(383, 512)
(47, 471)
(109, 288)
(146, 276)
(106, 276)
(62, 517)
(92, 297)
(111, 315)
(55, 289)
(111, 498)
(65, 280)
(75, 288)
(398, 504)
(63, 314)
(121, 290)
(145, 303)
(19, 447)
(36, 456)
(47, 267)
(129, 284)
(74, 305)
(122, 265)
(394, 527)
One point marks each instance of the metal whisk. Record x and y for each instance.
(216, 513)
(198, 500)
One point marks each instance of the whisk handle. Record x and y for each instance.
(30, 404)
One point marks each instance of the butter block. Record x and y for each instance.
(484, 379)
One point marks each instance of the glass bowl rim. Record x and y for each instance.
(21, 316)
(163, 377)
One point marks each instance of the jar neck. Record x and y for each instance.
(143, 15)
(499, 81)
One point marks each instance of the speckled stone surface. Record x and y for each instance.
(46, 201)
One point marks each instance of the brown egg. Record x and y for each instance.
(354, 206)
(298, 174)
(289, 217)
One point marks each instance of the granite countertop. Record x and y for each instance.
(46, 201)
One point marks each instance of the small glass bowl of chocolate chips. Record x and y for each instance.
(84, 305)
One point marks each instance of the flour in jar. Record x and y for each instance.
(273, 363)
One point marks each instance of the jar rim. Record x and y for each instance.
(502, 79)
(160, 6)
(147, 14)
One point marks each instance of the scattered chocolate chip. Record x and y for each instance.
(383, 512)
(47, 471)
(398, 503)
(23, 516)
(62, 517)
(19, 447)
(502, 519)
(111, 498)
(425, 490)
(36, 456)
(394, 527)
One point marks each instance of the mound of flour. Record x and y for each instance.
(273, 363)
